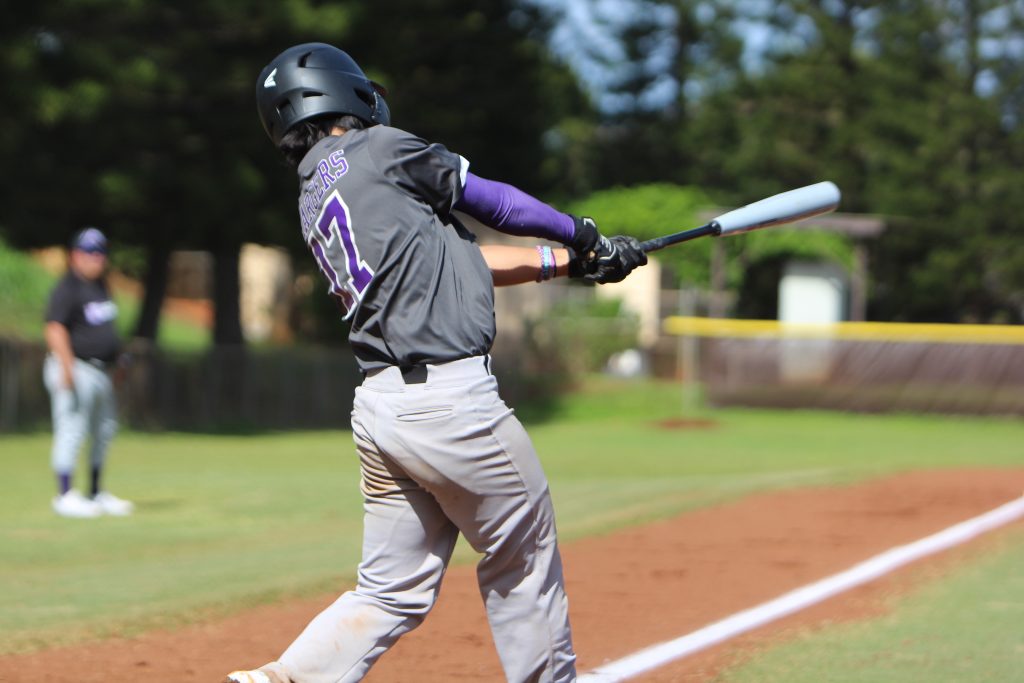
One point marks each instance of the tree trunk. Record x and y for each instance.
(227, 322)
(227, 373)
(155, 283)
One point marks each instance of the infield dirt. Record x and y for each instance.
(627, 589)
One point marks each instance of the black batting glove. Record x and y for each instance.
(585, 237)
(584, 246)
(624, 256)
(613, 260)
(595, 258)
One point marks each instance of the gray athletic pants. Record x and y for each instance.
(88, 411)
(438, 457)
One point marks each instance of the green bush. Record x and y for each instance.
(648, 211)
(578, 338)
(24, 289)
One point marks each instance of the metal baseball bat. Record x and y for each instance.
(786, 207)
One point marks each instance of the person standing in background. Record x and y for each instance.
(78, 372)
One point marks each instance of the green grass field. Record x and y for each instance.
(966, 628)
(225, 522)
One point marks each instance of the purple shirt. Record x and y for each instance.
(512, 211)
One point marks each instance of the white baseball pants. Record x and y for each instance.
(90, 410)
(438, 457)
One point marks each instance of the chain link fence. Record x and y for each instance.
(871, 367)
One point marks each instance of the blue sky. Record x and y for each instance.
(586, 38)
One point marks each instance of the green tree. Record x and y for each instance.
(139, 116)
(670, 54)
(945, 261)
(903, 104)
(475, 76)
(648, 211)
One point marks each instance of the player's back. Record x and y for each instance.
(375, 211)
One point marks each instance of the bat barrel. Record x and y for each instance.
(786, 207)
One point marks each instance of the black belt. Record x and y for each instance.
(417, 374)
(414, 374)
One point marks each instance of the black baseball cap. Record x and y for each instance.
(90, 240)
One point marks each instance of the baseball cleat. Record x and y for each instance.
(258, 676)
(74, 504)
(112, 505)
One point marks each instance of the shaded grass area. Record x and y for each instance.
(230, 521)
(966, 628)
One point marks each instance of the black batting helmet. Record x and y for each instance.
(314, 79)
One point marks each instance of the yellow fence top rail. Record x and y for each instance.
(863, 331)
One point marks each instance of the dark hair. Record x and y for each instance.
(301, 137)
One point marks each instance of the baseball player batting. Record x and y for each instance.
(440, 452)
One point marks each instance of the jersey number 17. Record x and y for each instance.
(334, 247)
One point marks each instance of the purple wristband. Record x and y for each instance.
(547, 264)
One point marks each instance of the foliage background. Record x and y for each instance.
(138, 116)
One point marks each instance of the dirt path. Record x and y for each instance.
(627, 590)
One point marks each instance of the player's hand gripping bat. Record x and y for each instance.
(786, 207)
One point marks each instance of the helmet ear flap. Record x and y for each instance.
(373, 98)
(381, 112)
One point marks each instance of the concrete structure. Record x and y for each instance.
(813, 293)
(640, 294)
(810, 293)
(859, 228)
(266, 277)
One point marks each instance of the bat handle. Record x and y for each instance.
(657, 243)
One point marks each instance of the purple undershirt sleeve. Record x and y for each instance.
(512, 211)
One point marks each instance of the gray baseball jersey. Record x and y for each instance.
(440, 452)
(375, 207)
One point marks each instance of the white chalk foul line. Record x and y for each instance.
(794, 601)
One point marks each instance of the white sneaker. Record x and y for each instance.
(252, 677)
(74, 504)
(112, 505)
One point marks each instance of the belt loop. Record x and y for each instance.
(487, 363)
